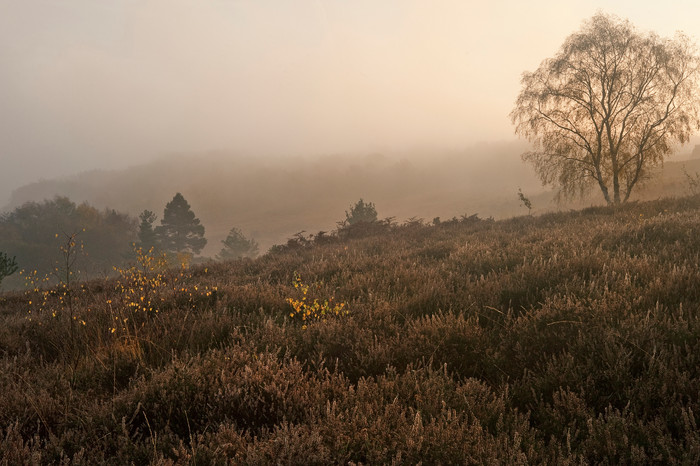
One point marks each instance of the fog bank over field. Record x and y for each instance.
(92, 85)
(271, 199)
(274, 198)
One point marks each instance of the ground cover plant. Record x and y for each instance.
(567, 338)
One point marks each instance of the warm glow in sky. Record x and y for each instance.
(88, 84)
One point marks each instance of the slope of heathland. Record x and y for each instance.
(566, 338)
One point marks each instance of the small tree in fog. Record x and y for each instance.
(8, 266)
(236, 245)
(693, 181)
(180, 231)
(361, 212)
(608, 107)
(524, 201)
(147, 235)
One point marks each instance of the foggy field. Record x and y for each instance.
(564, 338)
(349, 232)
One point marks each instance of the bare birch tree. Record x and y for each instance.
(608, 107)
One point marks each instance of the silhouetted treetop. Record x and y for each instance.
(147, 235)
(180, 230)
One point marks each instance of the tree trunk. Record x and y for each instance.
(604, 190)
(599, 177)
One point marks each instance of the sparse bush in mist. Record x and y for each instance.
(692, 180)
(8, 266)
(360, 212)
(525, 201)
(236, 246)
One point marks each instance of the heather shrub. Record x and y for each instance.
(566, 338)
(361, 212)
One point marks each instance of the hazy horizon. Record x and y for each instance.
(97, 85)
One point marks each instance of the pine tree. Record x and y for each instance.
(147, 236)
(179, 230)
(236, 245)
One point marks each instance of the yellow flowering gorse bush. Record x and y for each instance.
(58, 299)
(308, 310)
(139, 284)
(145, 286)
(140, 293)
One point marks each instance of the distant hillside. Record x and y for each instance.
(272, 199)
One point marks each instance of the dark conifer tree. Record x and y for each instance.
(180, 230)
(147, 235)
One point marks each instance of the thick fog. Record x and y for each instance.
(90, 84)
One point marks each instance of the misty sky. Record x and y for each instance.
(88, 84)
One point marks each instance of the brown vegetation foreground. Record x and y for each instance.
(566, 338)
